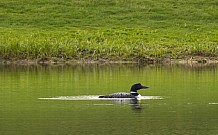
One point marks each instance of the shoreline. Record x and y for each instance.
(61, 61)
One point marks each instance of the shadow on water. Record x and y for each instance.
(88, 67)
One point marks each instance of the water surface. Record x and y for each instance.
(60, 100)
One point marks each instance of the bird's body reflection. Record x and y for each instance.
(133, 102)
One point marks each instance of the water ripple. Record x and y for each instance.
(213, 103)
(95, 97)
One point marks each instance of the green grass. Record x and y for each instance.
(109, 29)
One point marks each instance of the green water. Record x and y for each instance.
(189, 104)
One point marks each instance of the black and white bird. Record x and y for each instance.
(133, 92)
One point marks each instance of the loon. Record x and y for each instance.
(133, 92)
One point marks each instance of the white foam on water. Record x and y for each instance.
(103, 104)
(213, 103)
(96, 97)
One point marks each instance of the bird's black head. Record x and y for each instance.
(137, 86)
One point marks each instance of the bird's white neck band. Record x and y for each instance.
(133, 92)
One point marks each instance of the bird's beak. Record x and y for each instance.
(145, 87)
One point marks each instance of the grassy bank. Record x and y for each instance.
(115, 29)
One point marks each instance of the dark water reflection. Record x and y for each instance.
(187, 103)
